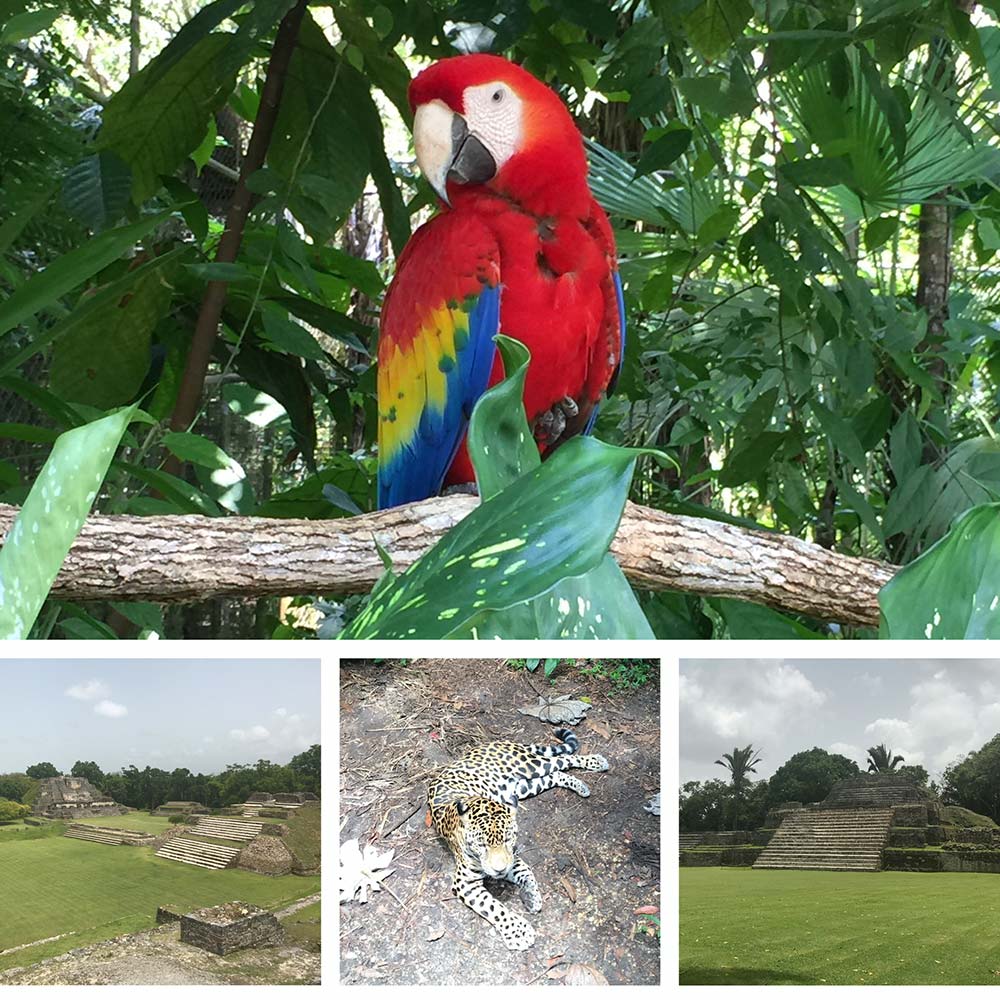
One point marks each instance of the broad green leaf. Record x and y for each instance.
(952, 591)
(187, 498)
(51, 518)
(663, 152)
(194, 448)
(755, 621)
(289, 337)
(500, 443)
(27, 24)
(714, 25)
(154, 128)
(879, 231)
(71, 270)
(598, 605)
(102, 357)
(840, 433)
(149, 617)
(554, 522)
(206, 147)
(819, 171)
(221, 271)
(749, 460)
(96, 189)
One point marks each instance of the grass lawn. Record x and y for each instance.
(130, 821)
(744, 927)
(303, 927)
(92, 892)
(304, 834)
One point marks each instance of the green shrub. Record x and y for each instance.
(179, 819)
(12, 811)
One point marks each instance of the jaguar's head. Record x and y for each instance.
(487, 834)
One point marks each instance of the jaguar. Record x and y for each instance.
(473, 805)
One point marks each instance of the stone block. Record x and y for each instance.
(231, 927)
(169, 913)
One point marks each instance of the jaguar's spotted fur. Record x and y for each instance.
(473, 804)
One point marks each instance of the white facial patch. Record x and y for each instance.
(493, 113)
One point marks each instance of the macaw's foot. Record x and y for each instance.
(466, 489)
(550, 425)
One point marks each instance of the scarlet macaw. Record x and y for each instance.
(521, 247)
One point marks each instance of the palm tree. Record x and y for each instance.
(880, 759)
(740, 763)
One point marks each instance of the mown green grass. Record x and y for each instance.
(744, 927)
(130, 821)
(92, 892)
(303, 927)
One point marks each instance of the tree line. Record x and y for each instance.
(150, 787)
(972, 782)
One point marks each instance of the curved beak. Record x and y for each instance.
(447, 150)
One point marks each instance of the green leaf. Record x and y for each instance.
(755, 621)
(96, 189)
(819, 171)
(749, 461)
(206, 147)
(72, 269)
(598, 605)
(155, 126)
(187, 498)
(288, 336)
(221, 271)
(879, 231)
(51, 518)
(714, 25)
(952, 591)
(841, 434)
(102, 356)
(660, 154)
(27, 24)
(189, 447)
(554, 522)
(149, 617)
(501, 445)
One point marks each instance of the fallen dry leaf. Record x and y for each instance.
(647, 909)
(556, 973)
(601, 728)
(568, 888)
(560, 708)
(554, 960)
(362, 870)
(578, 974)
(435, 934)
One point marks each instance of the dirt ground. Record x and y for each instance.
(596, 859)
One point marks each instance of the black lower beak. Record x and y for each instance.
(472, 162)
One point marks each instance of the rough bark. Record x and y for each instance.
(183, 558)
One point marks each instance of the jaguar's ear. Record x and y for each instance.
(461, 807)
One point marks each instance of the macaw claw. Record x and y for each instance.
(550, 425)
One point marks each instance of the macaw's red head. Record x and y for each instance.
(480, 120)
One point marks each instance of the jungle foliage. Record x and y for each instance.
(808, 219)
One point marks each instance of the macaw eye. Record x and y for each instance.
(497, 96)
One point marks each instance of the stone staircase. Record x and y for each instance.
(80, 831)
(689, 840)
(197, 852)
(227, 829)
(829, 839)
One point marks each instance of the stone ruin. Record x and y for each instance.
(866, 823)
(73, 798)
(229, 927)
(180, 809)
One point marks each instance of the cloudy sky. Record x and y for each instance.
(930, 711)
(201, 715)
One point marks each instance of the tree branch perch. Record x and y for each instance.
(189, 557)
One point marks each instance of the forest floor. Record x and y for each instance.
(596, 859)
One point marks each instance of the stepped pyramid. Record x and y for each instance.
(845, 832)
(829, 839)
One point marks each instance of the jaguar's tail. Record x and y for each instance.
(568, 744)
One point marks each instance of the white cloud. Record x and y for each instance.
(88, 691)
(289, 732)
(721, 707)
(110, 709)
(208, 739)
(255, 734)
(848, 750)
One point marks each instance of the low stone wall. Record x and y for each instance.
(724, 857)
(726, 838)
(231, 927)
(901, 859)
(169, 913)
